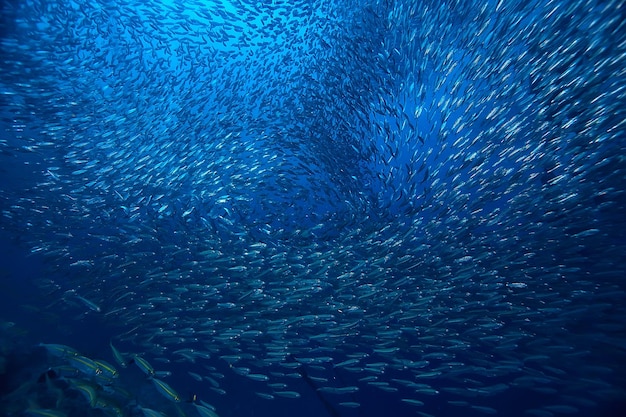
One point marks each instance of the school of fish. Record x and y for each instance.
(417, 199)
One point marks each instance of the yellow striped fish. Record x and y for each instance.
(144, 365)
(166, 390)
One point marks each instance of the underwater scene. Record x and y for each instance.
(312, 208)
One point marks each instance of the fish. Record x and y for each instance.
(88, 303)
(424, 198)
(85, 365)
(338, 390)
(87, 390)
(165, 390)
(118, 356)
(286, 394)
(59, 350)
(106, 369)
(148, 412)
(204, 411)
(43, 412)
(144, 365)
(411, 401)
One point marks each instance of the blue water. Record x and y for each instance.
(417, 202)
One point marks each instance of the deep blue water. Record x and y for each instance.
(313, 208)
